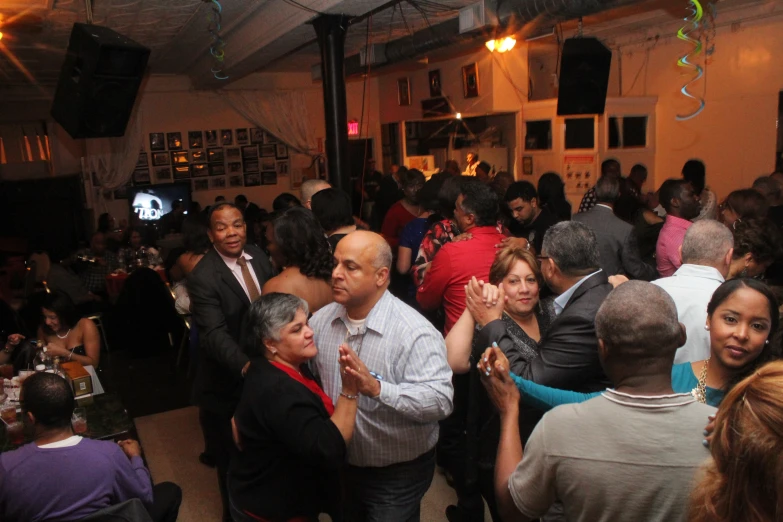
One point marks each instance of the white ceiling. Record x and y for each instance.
(260, 35)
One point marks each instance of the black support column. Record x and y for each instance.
(331, 31)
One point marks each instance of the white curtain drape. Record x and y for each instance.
(282, 113)
(113, 159)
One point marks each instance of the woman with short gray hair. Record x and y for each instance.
(291, 437)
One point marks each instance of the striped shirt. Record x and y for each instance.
(409, 356)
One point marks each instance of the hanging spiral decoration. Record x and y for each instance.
(217, 48)
(692, 24)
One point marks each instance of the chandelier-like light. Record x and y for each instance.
(501, 45)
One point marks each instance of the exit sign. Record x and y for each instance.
(353, 128)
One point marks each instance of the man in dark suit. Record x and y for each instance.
(221, 288)
(616, 239)
(568, 351)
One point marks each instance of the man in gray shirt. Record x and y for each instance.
(629, 454)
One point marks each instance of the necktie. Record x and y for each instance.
(252, 289)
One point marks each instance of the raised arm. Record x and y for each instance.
(459, 343)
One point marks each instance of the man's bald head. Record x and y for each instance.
(708, 243)
(637, 324)
(373, 246)
(311, 187)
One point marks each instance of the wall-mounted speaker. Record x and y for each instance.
(98, 82)
(584, 77)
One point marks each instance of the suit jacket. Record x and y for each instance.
(617, 244)
(219, 306)
(568, 351)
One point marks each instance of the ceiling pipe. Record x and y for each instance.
(512, 16)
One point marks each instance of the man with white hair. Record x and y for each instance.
(706, 257)
(405, 382)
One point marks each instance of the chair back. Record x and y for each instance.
(132, 510)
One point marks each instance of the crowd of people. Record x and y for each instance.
(606, 365)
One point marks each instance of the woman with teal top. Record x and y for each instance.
(742, 318)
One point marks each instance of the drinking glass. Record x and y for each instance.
(15, 431)
(8, 413)
(79, 421)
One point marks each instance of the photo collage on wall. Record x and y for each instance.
(213, 159)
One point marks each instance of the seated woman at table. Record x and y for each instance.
(65, 334)
(742, 320)
(307, 259)
(291, 437)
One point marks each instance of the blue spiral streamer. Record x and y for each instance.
(692, 24)
(217, 47)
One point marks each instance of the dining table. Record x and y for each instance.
(107, 419)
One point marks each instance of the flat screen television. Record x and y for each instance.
(151, 202)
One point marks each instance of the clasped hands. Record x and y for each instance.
(355, 375)
(484, 301)
(494, 371)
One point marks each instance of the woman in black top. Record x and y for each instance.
(291, 438)
(551, 196)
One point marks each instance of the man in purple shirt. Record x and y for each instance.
(61, 476)
(682, 205)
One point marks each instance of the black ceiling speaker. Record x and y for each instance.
(98, 82)
(584, 77)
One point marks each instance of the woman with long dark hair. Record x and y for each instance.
(551, 196)
(306, 256)
(66, 334)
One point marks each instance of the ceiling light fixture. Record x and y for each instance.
(501, 45)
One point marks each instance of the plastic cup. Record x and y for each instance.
(79, 421)
(15, 431)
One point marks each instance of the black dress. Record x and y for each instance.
(483, 422)
(291, 451)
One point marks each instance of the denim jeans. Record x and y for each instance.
(388, 494)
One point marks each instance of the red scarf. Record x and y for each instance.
(310, 383)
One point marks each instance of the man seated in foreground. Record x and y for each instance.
(62, 476)
(630, 454)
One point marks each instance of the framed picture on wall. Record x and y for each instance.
(196, 139)
(257, 135)
(403, 91)
(282, 168)
(179, 158)
(157, 141)
(470, 81)
(160, 158)
(234, 167)
(200, 184)
(226, 137)
(434, 77)
(162, 174)
(251, 166)
(243, 137)
(270, 139)
(281, 151)
(174, 139)
(182, 171)
(268, 151)
(269, 178)
(142, 162)
(211, 138)
(215, 155)
(197, 155)
(141, 177)
(232, 154)
(217, 169)
(252, 180)
(250, 151)
(199, 170)
(527, 165)
(217, 183)
(235, 181)
(267, 164)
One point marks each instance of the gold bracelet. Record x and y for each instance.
(352, 397)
